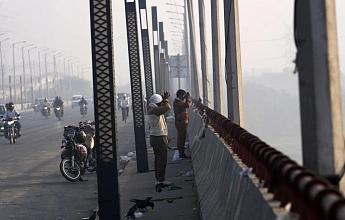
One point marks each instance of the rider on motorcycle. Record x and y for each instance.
(58, 103)
(83, 102)
(11, 113)
(46, 104)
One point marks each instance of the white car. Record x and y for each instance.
(75, 100)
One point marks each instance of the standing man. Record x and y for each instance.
(181, 119)
(124, 106)
(159, 134)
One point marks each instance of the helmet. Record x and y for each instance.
(82, 98)
(155, 98)
(124, 95)
(45, 99)
(10, 106)
(57, 97)
(80, 137)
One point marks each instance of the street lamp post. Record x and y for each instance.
(70, 76)
(45, 60)
(31, 81)
(2, 73)
(24, 78)
(14, 71)
(40, 72)
(72, 70)
(57, 81)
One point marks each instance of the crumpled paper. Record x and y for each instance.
(246, 172)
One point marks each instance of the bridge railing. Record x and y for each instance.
(310, 195)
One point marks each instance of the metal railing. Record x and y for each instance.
(310, 195)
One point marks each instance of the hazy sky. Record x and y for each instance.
(63, 26)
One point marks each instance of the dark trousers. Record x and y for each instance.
(181, 136)
(160, 145)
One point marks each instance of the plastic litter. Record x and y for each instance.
(176, 156)
(189, 174)
(186, 145)
(246, 172)
(138, 215)
(195, 110)
(173, 187)
(125, 159)
(120, 171)
(181, 173)
(129, 154)
(194, 209)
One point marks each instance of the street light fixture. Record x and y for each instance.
(31, 82)
(14, 70)
(2, 72)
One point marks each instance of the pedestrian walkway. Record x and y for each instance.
(179, 202)
(169, 204)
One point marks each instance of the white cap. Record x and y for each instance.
(155, 98)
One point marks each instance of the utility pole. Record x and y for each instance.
(204, 62)
(24, 78)
(31, 81)
(233, 68)
(2, 73)
(320, 94)
(47, 81)
(21, 93)
(179, 72)
(40, 72)
(217, 69)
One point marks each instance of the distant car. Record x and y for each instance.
(75, 100)
(2, 112)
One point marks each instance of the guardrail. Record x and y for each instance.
(310, 195)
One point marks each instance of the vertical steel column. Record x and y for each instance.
(204, 61)
(233, 68)
(195, 92)
(162, 58)
(167, 72)
(146, 49)
(136, 87)
(155, 47)
(105, 109)
(217, 69)
(319, 87)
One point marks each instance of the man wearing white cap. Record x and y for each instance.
(159, 134)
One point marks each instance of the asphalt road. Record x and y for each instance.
(31, 185)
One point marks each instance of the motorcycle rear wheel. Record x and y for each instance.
(71, 173)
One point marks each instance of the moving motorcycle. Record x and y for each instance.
(11, 131)
(36, 108)
(45, 111)
(83, 110)
(58, 112)
(75, 157)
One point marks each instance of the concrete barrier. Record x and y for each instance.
(222, 193)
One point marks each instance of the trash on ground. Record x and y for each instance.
(246, 172)
(195, 110)
(176, 156)
(120, 171)
(173, 187)
(189, 173)
(125, 159)
(138, 215)
(194, 209)
(186, 145)
(129, 154)
(181, 173)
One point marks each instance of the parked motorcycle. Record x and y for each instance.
(75, 158)
(11, 131)
(58, 112)
(45, 111)
(83, 110)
